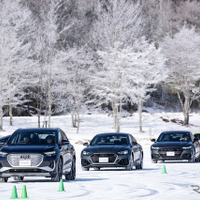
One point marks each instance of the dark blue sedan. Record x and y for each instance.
(112, 150)
(175, 145)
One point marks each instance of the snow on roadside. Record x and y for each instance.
(114, 184)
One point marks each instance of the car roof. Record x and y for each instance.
(112, 133)
(38, 129)
(175, 132)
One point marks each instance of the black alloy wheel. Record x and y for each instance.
(140, 166)
(130, 166)
(192, 159)
(72, 174)
(59, 171)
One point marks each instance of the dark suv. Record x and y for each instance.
(38, 152)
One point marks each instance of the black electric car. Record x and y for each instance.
(38, 152)
(175, 145)
(112, 150)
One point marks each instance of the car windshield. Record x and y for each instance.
(27, 137)
(110, 140)
(197, 136)
(174, 137)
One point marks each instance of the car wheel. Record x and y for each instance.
(18, 178)
(140, 166)
(154, 161)
(3, 180)
(72, 174)
(97, 168)
(59, 172)
(130, 166)
(197, 159)
(85, 168)
(192, 159)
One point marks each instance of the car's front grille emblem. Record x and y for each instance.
(25, 156)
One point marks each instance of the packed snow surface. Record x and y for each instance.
(182, 180)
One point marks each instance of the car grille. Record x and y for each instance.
(34, 159)
(177, 151)
(111, 157)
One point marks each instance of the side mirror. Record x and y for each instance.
(134, 143)
(65, 142)
(153, 140)
(85, 144)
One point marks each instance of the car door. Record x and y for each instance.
(135, 148)
(67, 153)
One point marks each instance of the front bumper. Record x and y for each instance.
(114, 160)
(45, 168)
(176, 154)
(8, 172)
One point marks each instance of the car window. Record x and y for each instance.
(175, 137)
(33, 137)
(110, 140)
(133, 139)
(197, 136)
(63, 135)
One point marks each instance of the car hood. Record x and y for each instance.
(172, 144)
(106, 148)
(27, 148)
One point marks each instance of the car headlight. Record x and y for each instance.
(3, 154)
(187, 147)
(123, 152)
(154, 148)
(86, 153)
(50, 153)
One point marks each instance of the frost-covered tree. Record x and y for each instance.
(114, 32)
(45, 36)
(183, 53)
(148, 69)
(74, 85)
(14, 53)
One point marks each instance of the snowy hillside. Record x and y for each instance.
(114, 184)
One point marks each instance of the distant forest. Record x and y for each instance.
(76, 56)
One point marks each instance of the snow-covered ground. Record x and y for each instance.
(114, 184)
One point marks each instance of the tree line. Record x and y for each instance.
(73, 56)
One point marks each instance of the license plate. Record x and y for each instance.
(24, 163)
(170, 153)
(103, 159)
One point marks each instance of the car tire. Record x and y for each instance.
(130, 166)
(18, 178)
(154, 161)
(140, 166)
(85, 168)
(192, 157)
(97, 168)
(72, 174)
(3, 180)
(59, 171)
